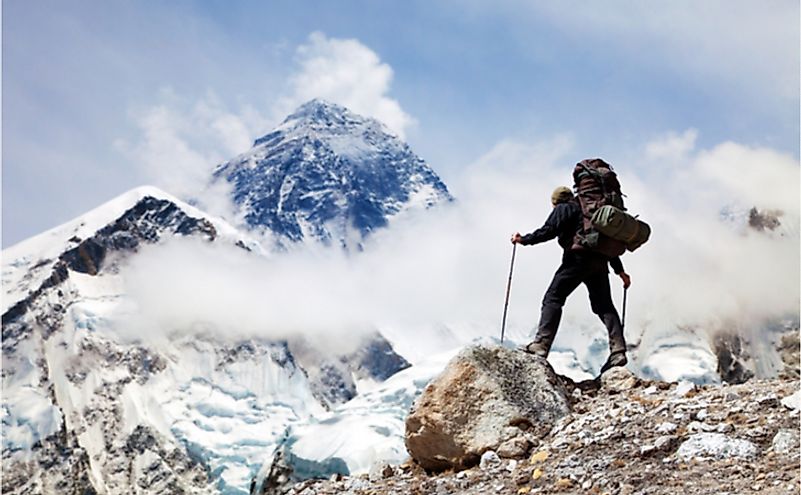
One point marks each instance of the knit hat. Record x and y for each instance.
(561, 194)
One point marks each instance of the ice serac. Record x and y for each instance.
(329, 175)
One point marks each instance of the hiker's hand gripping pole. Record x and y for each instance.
(508, 287)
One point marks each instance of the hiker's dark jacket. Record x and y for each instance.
(563, 223)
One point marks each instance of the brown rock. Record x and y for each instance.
(619, 379)
(515, 447)
(485, 397)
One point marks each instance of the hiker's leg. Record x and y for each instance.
(602, 305)
(564, 282)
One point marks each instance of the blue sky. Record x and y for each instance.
(102, 96)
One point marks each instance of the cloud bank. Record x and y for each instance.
(441, 275)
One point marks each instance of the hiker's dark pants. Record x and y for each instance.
(591, 270)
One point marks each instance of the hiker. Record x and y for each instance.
(578, 266)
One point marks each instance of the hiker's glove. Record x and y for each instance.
(626, 279)
(516, 238)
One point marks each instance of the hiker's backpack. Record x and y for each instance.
(605, 226)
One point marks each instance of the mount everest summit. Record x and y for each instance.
(91, 404)
(328, 174)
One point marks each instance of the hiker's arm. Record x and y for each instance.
(617, 266)
(545, 233)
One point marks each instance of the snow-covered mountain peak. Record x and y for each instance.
(144, 214)
(329, 175)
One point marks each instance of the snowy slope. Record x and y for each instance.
(113, 406)
(27, 264)
(330, 175)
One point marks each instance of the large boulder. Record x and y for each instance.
(485, 396)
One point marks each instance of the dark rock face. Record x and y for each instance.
(59, 454)
(788, 348)
(731, 356)
(147, 221)
(331, 376)
(376, 359)
(764, 220)
(286, 469)
(325, 172)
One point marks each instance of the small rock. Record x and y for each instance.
(538, 457)
(793, 402)
(725, 428)
(785, 441)
(586, 485)
(770, 400)
(564, 483)
(716, 445)
(666, 427)
(731, 396)
(461, 475)
(697, 426)
(514, 447)
(665, 442)
(380, 471)
(662, 444)
(701, 415)
(512, 465)
(650, 390)
(619, 379)
(683, 388)
(489, 459)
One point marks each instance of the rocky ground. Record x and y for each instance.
(631, 436)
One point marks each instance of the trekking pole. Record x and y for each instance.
(623, 323)
(508, 289)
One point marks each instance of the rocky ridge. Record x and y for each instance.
(627, 435)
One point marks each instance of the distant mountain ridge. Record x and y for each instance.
(329, 175)
(89, 409)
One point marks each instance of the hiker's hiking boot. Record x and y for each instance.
(615, 359)
(537, 348)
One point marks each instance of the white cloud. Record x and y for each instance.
(758, 177)
(448, 267)
(672, 146)
(181, 141)
(346, 72)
